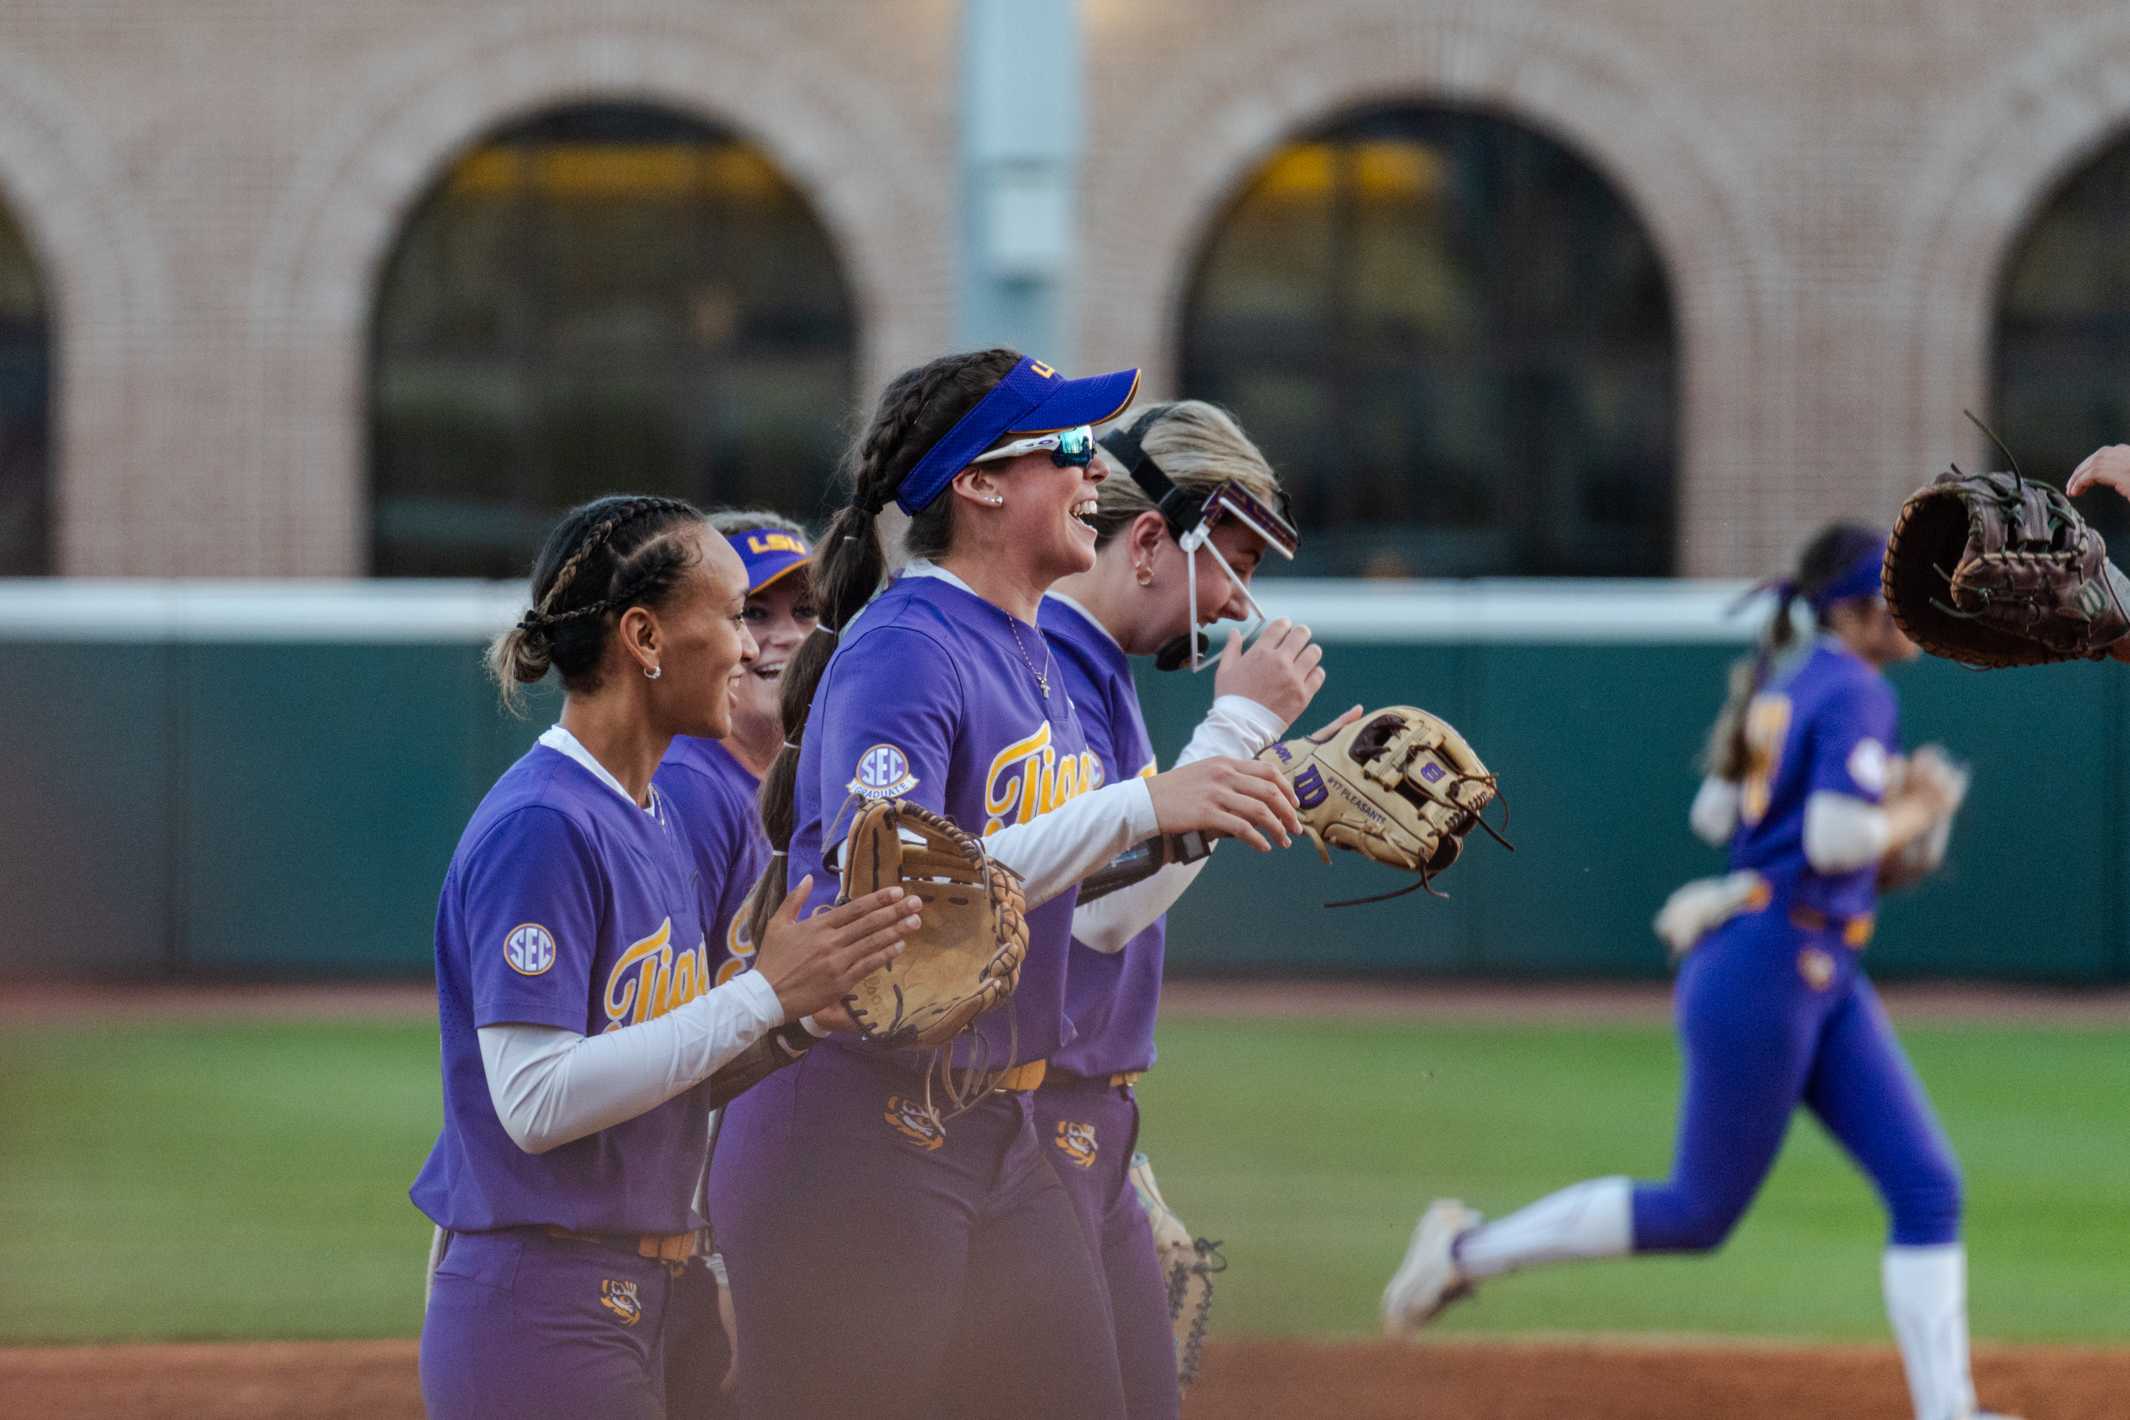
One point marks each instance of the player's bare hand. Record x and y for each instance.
(1281, 670)
(810, 964)
(1233, 798)
(1320, 736)
(1937, 780)
(2105, 467)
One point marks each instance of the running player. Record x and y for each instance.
(712, 784)
(1186, 477)
(942, 1267)
(1772, 1004)
(573, 984)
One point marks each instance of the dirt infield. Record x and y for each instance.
(1651, 1379)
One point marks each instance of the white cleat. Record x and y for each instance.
(1429, 1278)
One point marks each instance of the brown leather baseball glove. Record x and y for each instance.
(966, 958)
(1991, 569)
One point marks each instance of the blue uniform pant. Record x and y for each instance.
(1769, 1017)
(934, 1274)
(1089, 1129)
(522, 1327)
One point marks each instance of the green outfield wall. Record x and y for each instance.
(269, 779)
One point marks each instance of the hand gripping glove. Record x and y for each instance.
(967, 956)
(1398, 785)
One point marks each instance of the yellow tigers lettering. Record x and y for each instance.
(650, 979)
(1767, 723)
(1027, 779)
(739, 949)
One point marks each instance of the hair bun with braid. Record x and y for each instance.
(606, 556)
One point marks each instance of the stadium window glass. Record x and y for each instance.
(25, 409)
(2062, 348)
(602, 298)
(1455, 341)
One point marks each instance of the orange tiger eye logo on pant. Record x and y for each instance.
(1076, 1142)
(914, 1122)
(620, 1298)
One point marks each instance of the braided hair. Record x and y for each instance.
(1831, 552)
(601, 559)
(916, 411)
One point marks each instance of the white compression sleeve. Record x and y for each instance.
(1844, 833)
(1926, 1299)
(1591, 1219)
(1714, 816)
(551, 1086)
(1237, 727)
(1055, 850)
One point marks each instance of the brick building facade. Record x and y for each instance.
(210, 189)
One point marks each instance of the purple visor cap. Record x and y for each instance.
(1031, 399)
(768, 554)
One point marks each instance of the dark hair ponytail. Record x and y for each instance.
(915, 411)
(603, 558)
(1830, 553)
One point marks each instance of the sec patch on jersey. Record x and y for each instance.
(883, 773)
(529, 948)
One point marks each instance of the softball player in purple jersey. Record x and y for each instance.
(573, 985)
(713, 784)
(1183, 471)
(1772, 1004)
(944, 1264)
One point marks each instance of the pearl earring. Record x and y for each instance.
(997, 501)
(653, 672)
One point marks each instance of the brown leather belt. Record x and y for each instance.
(658, 1247)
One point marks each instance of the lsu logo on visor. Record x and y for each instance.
(1076, 1142)
(883, 773)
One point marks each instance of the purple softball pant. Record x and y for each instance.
(934, 1273)
(1089, 1128)
(696, 1350)
(1771, 1017)
(527, 1327)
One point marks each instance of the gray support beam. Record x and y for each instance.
(1020, 148)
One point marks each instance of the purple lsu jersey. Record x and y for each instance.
(565, 905)
(1110, 997)
(1828, 724)
(931, 696)
(713, 795)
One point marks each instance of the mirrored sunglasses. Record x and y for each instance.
(1074, 448)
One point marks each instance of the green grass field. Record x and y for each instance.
(191, 1180)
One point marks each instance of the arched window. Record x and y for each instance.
(606, 297)
(25, 410)
(2063, 332)
(1454, 339)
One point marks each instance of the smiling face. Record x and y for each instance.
(779, 617)
(1047, 512)
(1163, 608)
(704, 642)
